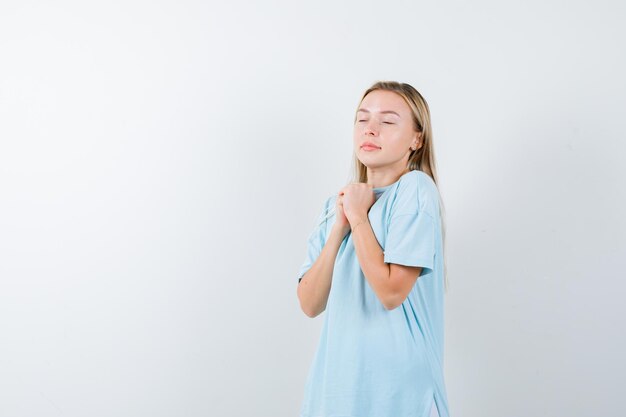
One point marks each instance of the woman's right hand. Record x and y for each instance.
(341, 222)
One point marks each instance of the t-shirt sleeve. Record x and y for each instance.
(411, 241)
(315, 241)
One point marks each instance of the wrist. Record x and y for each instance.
(342, 230)
(357, 216)
(359, 221)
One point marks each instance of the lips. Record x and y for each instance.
(369, 145)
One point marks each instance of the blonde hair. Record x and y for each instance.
(423, 158)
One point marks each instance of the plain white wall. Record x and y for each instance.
(162, 163)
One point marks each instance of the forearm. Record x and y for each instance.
(371, 259)
(314, 288)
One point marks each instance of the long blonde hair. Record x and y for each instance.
(423, 158)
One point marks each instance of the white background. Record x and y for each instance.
(162, 163)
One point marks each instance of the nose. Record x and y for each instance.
(370, 128)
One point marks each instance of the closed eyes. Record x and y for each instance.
(389, 123)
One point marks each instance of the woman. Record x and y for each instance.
(381, 348)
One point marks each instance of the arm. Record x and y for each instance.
(314, 287)
(391, 282)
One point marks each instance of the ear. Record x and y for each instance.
(417, 142)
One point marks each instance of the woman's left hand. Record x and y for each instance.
(357, 198)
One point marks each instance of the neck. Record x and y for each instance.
(381, 179)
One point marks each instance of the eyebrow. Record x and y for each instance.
(383, 112)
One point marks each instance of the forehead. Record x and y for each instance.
(381, 100)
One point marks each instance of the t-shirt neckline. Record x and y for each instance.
(383, 188)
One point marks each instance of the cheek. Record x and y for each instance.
(398, 145)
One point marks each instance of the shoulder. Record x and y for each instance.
(330, 201)
(329, 205)
(421, 188)
(417, 181)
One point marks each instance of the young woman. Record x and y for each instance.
(379, 241)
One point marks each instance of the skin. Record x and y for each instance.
(395, 135)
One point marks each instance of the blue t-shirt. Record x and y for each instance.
(371, 361)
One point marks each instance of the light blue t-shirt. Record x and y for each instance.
(371, 361)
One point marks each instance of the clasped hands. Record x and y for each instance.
(353, 203)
